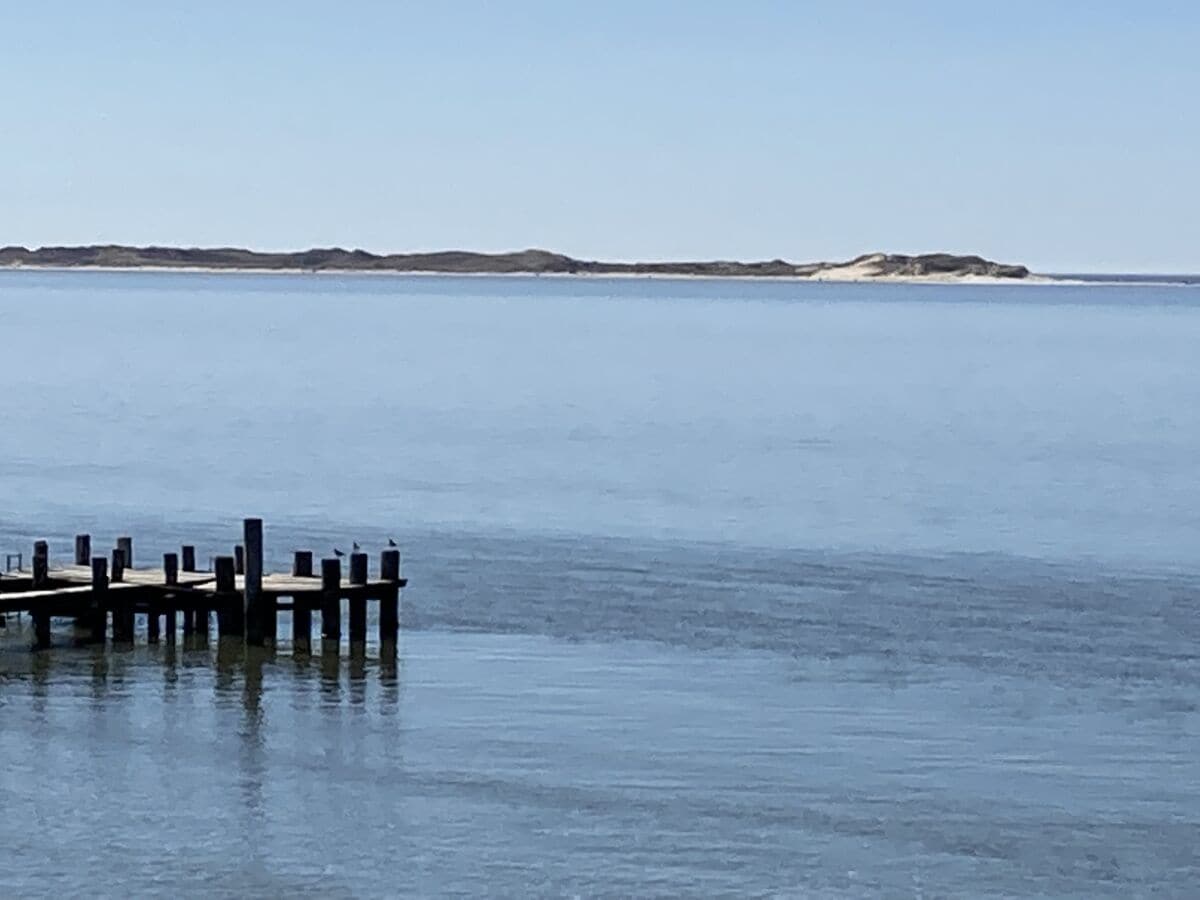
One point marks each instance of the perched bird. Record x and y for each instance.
(338, 553)
(391, 543)
(355, 547)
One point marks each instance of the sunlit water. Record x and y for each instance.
(717, 587)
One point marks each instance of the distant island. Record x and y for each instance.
(869, 267)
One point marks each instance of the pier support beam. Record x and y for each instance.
(118, 565)
(187, 563)
(331, 606)
(239, 560)
(302, 567)
(125, 545)
(201, 620)
(83, 557)
(41, 580)
(122, 605)
(153, 623)
(98, 607)
(256, 606)
(230, 622)
(171, 579)
(358, 605)
(389, 604)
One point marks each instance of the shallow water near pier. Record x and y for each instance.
(716, 587)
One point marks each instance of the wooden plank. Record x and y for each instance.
(148, 577)
(24, 601)
(279, 583)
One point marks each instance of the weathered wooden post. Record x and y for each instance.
(239, 560)
(331, 606)
(122, 606)
(41, 581)
(187, 563)
(152, 621)
(358, 603)
(83, 557)
(255, 606)
(118, 565)
(171, 579)
(126, 544)
(201, 619)
(229, 610)
(98, 614)
(41, 565)
(302, 567)
(389, 602)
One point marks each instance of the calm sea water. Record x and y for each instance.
(717, 587)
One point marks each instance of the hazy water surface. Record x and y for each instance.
(717, 587)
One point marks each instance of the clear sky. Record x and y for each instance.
(1061, 134)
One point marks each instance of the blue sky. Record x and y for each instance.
(1064, 135)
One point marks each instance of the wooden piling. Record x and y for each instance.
(229, 611)
(255, 604)
(83, 549)
(41, 581)
(331, 606)
(302, 567)
(171, 579)
(126, 544)
(122, 606)
(118, 565)
(239, 560)
(389, 603)
(229, 622)
(358, 604)
(201, 619)
(98, 606)
(153, 623)
(358, 568)
(41, 565)
(389, 565)
(187, 563)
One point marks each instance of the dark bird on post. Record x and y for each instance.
(391, 543)
(338, 553)
(355, 547)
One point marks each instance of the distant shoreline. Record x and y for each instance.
(869, 269)
(931, 267)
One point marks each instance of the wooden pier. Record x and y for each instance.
(106, 593)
